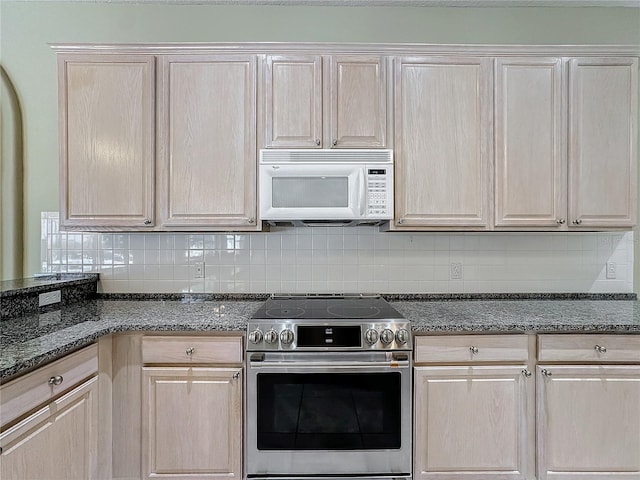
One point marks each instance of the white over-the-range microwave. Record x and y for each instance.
(354, 185)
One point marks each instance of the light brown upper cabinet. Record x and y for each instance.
(443, 132)
(603, 142)
(165, 137)
(566, 136)
(530, 166)
(207, 143)
(315, 101)
(106, 126)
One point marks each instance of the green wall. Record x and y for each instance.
(27, 27)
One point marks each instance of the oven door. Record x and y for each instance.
(328, 414)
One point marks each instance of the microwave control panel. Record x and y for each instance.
(379, 191)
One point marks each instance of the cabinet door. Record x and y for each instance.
(358, 101)
(473, 422)
(293, 101)
(57, 442)
(603, 129)
(443, 131)
(208, 124)
(588, 422)
(530, 178)
(191, 422)
(106, 108)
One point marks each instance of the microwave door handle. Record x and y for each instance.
(362, 200)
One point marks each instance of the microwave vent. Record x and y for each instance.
(268, 156)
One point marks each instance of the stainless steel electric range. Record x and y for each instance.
(328, 389)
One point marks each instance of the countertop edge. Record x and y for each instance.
(59, 351)
(103, 317)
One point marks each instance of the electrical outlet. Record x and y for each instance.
(455, 272)
(604, 242)
(611, 270)
(199, 269)
(49, 298)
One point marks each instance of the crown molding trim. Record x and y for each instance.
(379, 3)
(397, 49)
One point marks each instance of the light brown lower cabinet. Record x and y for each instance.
(57, 442)
(588, 414)
(191, 412)
(474, 420)
(49, 421)
(477, 417)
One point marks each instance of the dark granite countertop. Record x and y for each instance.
(43, 283)
(32, 340)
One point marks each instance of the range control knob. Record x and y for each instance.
(256, 336)
(387, 336)
(371, 336)
(271, 336)
(402, 336)
(286, 336)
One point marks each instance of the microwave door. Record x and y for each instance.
(311, 192)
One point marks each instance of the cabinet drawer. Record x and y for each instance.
(27, 392)
(589, 348)
(191, 349)
(471, 348)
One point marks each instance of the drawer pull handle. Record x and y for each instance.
(189, 351)
(600, 349)
(473, 349)
(545, 372)
(526, 373)
(236, 375)
(56, 380)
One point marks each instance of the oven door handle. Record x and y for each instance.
(400, 360)
(329, 366)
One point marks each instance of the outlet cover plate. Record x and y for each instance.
(49, 298)
(611, 270)
(456, 271)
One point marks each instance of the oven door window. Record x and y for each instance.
(336, 411)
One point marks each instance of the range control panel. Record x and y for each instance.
(391, 335)
(379, 180)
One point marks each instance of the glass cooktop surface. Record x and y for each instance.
(351, 307)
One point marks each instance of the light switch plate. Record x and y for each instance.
(49, 298)
(199, 269)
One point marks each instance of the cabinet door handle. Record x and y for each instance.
(473, 349)
(561, 221)
(251, 220)
(526, 373)
(545, 372)
(334, 142)
(147, 222)
(236, 375)
(190, 351)
(577, 222)
(317, 141)
(56, 380)
(600, 349)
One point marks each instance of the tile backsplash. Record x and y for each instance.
(343, 259)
